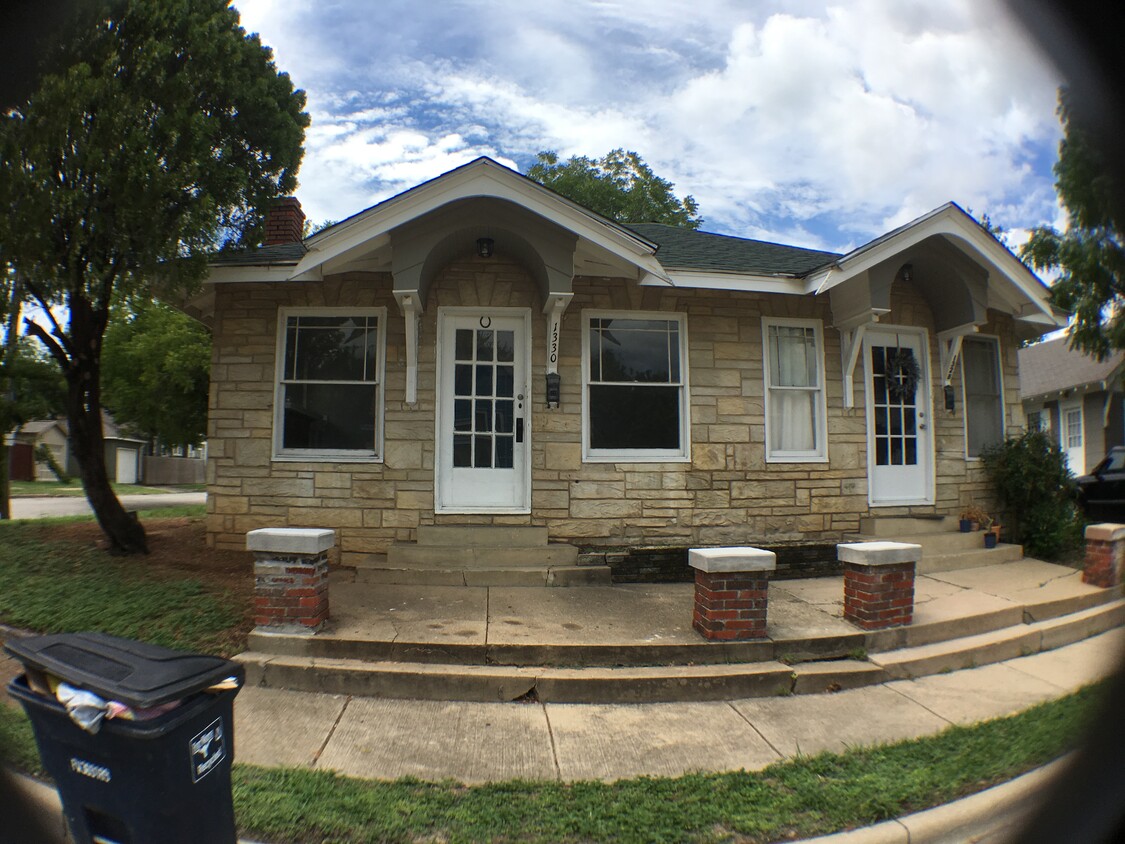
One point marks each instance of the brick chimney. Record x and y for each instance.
(285, 222)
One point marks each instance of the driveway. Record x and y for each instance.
(42, 508)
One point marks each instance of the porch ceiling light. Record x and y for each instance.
(484, 247)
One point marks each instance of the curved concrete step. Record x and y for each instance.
(607, 684)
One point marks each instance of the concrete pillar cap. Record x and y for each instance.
(878, 553)
(714, 560)
(310, 541)
(1105, 532)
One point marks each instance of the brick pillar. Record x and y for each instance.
(879, 583)
(1105, 555)
(731, 591)
(290, 577)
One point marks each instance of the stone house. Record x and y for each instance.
(479, 351)
(1075, 397)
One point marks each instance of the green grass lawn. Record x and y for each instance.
(24, 489)
(60, 586)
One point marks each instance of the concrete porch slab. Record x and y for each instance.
(1025, 582)
(592, 615)
(657, 739)
(425, 614)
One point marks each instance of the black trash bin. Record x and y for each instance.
(158, 779)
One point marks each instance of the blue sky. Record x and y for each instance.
(810, 123)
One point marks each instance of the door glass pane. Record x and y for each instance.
(462, 380)
(505, 345)
(464, 344)
(483, 416)
(462, 415)
(505, 381)
(505, 417)
(484, 345)
(484, 379)
(462, 451)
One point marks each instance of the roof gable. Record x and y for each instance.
(1052, 367)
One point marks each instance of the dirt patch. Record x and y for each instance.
(177, 548)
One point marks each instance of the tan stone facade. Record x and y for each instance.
(726, 494)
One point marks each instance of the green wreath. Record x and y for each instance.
(902, 374)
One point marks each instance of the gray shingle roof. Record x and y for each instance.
(1052, 366)
(282, 253)
(683, 249)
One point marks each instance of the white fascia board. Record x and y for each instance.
(247, 274)
(482, 178)
(948, 220)
(750, 283)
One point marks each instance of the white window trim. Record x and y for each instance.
(964, 394)
(639, 455)
(311, 455)
(820, 454)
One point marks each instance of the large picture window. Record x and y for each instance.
(794, 379)
(636, 385)
(984, 406)
(329, 399)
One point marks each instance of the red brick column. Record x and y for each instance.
(290, 577)
(731, 591)
(879, 583)
(1105, 555)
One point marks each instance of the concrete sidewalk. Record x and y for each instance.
(47, 507)
(484, 742)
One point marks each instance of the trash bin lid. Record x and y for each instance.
(135, 673)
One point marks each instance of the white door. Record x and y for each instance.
(1071, 436)
(126, 466)
(483, 425)
(899, 432)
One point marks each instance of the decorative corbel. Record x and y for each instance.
(554, 307)
(949, 348)
(411, 311)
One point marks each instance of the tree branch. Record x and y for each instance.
(40, 333)
(56, 329)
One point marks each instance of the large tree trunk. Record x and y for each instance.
(84, 413)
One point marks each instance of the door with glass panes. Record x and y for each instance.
(483, 429)
(899, 429)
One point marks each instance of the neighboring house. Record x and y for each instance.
(123, 453)
(1076, 397)
(481, 351)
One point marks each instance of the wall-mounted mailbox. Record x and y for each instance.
(950, 404)
(554, 389)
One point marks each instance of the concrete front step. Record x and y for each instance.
(894, 527)
(411, 555)
(999, 645)
(946, 542)
(1002, 553)
(678, 682)
(459, 536)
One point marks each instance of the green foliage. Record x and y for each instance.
(61, 587)
(792, 799)
(158, 132)
(156, 365)
(1030, 476)
(1090, 254)
(619, 186)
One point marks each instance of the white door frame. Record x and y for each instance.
(446, 493)
(1064, 434)
(877, 335)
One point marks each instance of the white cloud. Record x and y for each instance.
(818, 123)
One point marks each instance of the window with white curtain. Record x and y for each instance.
(984, 405)
(795, 404)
